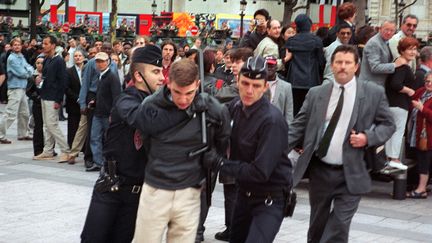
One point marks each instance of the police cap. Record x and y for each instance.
(149, 54)
(255, 68)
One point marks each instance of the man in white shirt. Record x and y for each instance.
(334, 125)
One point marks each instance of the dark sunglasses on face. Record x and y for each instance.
(411, 25)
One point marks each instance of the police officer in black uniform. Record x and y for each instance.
(114, 204)
(258, 158)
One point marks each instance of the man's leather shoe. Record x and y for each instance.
(88, 163)
(26, 138)
(5, 141)
(71, 160)
(95, 167)
(223, 236)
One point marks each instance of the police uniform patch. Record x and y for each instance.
(138, 140)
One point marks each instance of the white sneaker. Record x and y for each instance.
(397, 165)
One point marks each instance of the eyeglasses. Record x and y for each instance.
(428, 81)
(39, 62)
(409, 25)
(345, 33)
(139, 43)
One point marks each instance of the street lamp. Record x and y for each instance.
(154, 8)
(243, 4)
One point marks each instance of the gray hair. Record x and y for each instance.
(389, 21)
(426, 53)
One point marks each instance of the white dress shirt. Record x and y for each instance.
(334, 154)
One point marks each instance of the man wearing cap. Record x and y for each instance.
(89, 85)
(112, 215)
(170, 197)
(258, 158)
(107, 91)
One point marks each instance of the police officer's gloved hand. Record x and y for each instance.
(213, 160)
(200, 103)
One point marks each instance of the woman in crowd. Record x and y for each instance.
(420, 131)
(398, 92)
(115, 58)
(32, 91)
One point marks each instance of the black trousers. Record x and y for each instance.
(38, 136)
(111, 217)
(72, 127)
(254, 221)
(230, 194)
(299, 96)
(327, 188)
(88, 155)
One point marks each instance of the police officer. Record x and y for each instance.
(258, 158)
(112, 213)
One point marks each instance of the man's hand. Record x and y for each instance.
(83, 111)
(57, 106)
(358, 140)
(212, 160)
(417, 104)
(399, 62)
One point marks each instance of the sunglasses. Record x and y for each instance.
(345, 33)
(411, 25)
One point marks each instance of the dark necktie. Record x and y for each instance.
(390, 53)
(328, 134)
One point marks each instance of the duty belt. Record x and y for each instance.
(134, 189)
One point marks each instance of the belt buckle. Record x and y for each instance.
(136, 189)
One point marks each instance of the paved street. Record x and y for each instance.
(43, 201)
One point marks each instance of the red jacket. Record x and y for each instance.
(426, 113)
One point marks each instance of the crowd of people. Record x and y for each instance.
(160, 134)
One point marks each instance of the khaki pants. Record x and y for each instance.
(80, 136)
(52, 132)
(16, 109)
(158, 209)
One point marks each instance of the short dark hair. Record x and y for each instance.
(242, 53)
(262, 12)
(346, 49)
(409, 16)
(51, 39)
(406, 43)
(170, 42)
(183, 72)
(209, 59)
(135, 66)
(343, 26)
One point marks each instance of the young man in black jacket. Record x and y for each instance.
(174, 176)
(111, 216)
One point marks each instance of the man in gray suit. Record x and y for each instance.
(334, 126)
(377, 60)
(280, 90)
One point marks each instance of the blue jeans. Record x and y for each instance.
(98, 129)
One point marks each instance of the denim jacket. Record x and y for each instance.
(18, 71)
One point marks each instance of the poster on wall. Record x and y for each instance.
(233, 22)
(91, 20)
(127, 22)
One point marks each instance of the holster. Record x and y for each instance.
(108, 181)
(290, 203)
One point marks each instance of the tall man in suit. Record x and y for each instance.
(377, 61)
(72, 94)
(336, 123)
